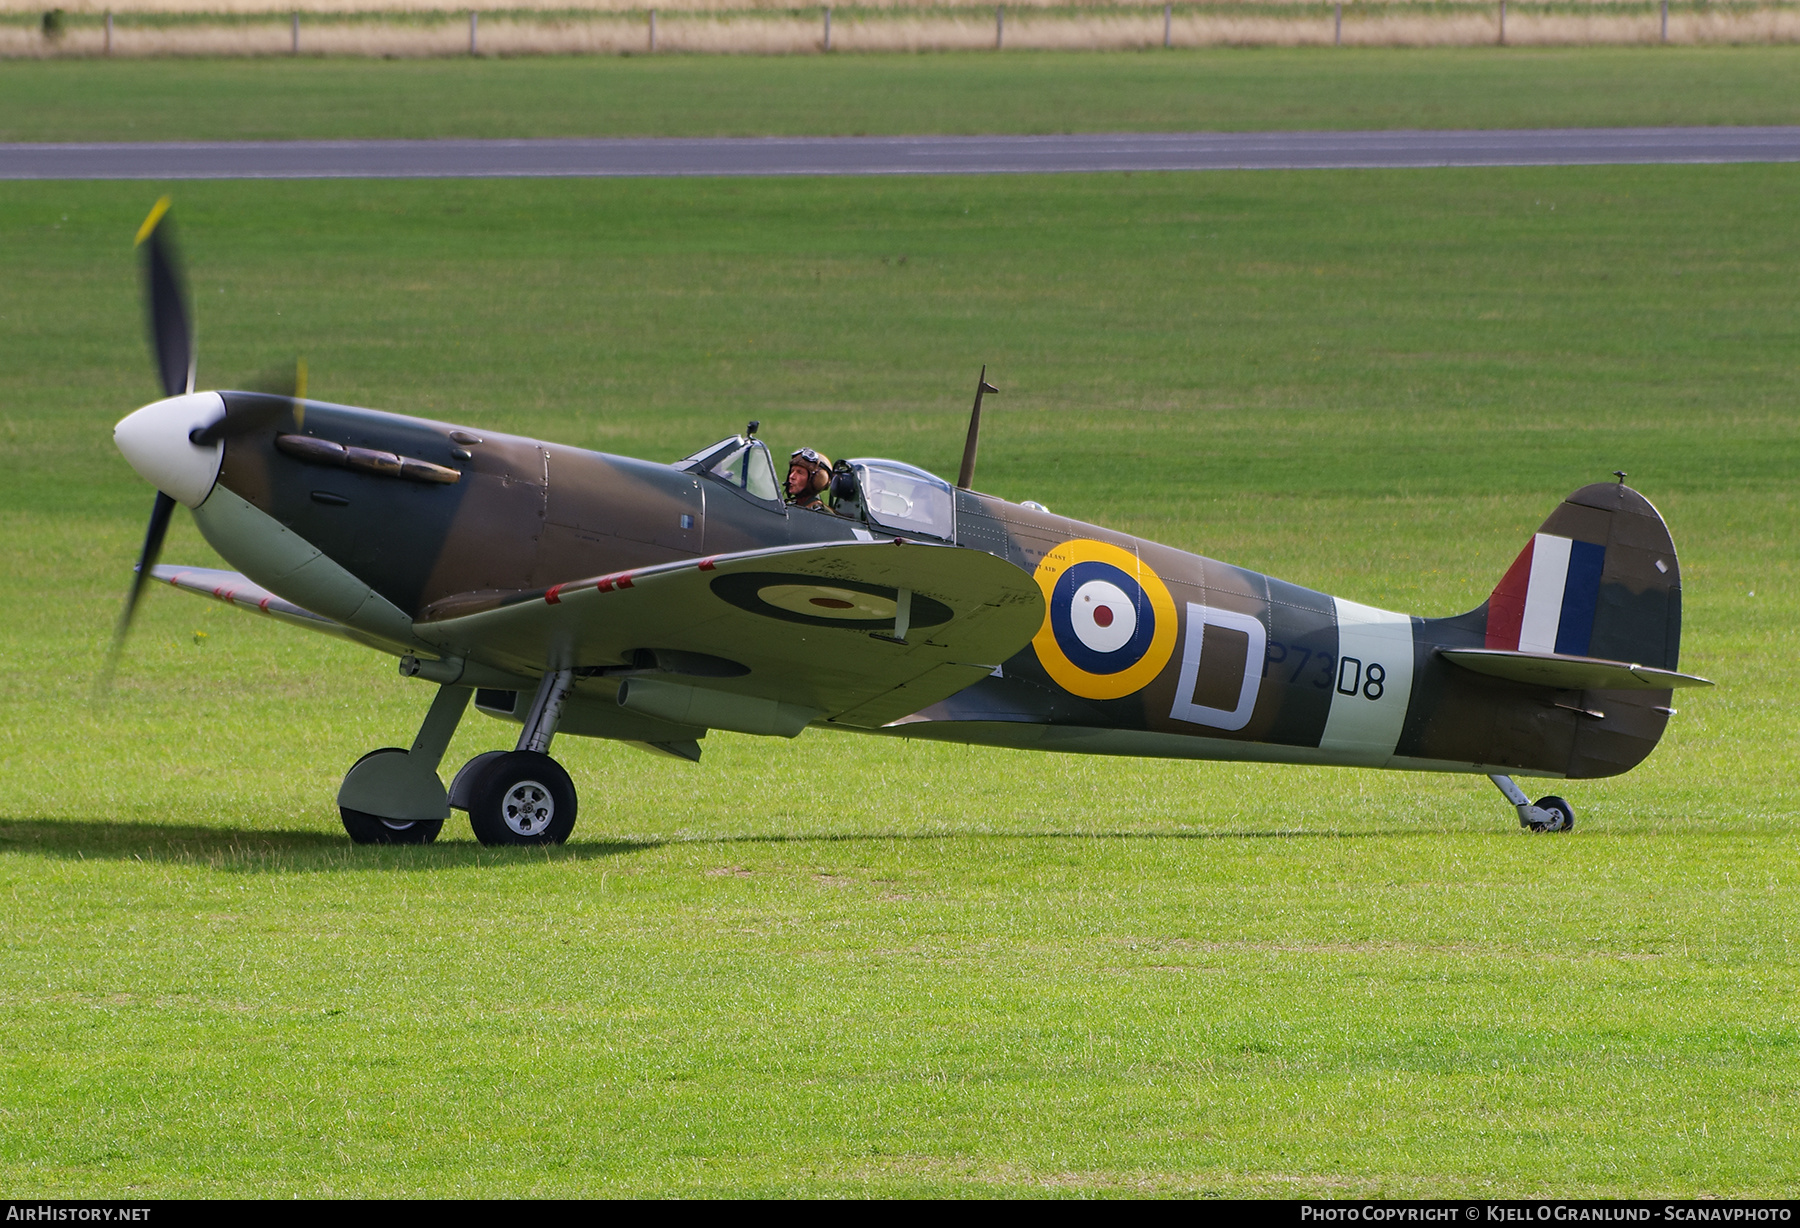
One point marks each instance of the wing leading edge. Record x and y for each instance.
(237, 590)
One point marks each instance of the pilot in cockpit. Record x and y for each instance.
(809, 476)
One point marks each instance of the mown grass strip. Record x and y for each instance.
(1024, 92)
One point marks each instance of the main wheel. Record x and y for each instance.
(1563, 812)
(389, 780)
(522, 797)
(373, 829)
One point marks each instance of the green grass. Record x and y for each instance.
(1219, 89)
(847, 965)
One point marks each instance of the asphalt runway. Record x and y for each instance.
(893, 155)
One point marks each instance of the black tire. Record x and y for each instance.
(373, 829)
(366, 828)
(522, 797)
(1564, 812)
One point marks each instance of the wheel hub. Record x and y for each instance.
(528, 808)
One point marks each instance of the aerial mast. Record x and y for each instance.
(966, 474)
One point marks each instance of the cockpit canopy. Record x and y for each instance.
(905, 498)
(889, 494)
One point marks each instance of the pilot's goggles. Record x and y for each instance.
(809, 458)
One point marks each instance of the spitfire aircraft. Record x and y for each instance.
(575, 592)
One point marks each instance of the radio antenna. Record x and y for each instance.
(967, 474)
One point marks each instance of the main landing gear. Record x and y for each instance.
(394, 796)
(521, 796)
(1549, 814)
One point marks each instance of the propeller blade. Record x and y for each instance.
(165, 302)
(160, 511)
(282, 381)
(243, 417)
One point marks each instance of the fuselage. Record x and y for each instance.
(391, 524)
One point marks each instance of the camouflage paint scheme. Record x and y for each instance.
(1134, 648)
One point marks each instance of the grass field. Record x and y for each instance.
(841, 965)
(1219, 89)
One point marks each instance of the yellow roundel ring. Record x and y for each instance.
(1109, 622)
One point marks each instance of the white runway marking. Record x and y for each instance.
(893, 155)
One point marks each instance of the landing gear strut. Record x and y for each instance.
(1549, 814)
(394, 796)
(522, 796)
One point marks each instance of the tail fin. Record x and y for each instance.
(1599, 579)
(1569, 667)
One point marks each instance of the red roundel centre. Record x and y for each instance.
(1103, 616)
(833, 603)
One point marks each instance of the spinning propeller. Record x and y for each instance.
(172, 343)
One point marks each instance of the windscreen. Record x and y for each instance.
(750, 470)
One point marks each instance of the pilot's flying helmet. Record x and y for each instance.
(817, 466)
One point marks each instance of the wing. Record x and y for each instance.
(856, 633)
(245, 594)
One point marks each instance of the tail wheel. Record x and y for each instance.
(522, 797)
(1562, 814)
